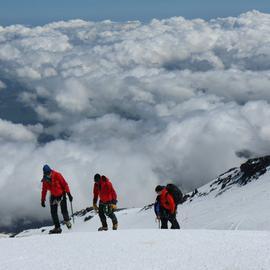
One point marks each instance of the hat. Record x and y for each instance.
(104, 178)
(158, 188)
(97, 177)
(46, 169)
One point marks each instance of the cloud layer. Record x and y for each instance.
(142, 103)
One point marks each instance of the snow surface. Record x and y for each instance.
(139, 249)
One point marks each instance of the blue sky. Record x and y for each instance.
(34, 12)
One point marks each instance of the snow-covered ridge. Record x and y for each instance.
(247, 172)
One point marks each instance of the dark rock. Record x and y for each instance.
(87, 218)
(194, 193)
(253, 168)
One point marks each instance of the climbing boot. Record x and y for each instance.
(103, 229)
(55, 230)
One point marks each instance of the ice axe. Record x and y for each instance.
(158, 221)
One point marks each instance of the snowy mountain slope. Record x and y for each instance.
(235, 200)
(238, 199)
(139, 249)
(239, 208)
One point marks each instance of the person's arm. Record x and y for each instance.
(64, 185)
(63, 182)
(113, 194)
(43, 193)
(95, 196)
(157, 208)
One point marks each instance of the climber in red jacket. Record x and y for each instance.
(103, 189)
(165, 208)
(58, 187)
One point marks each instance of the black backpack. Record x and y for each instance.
(175, 192)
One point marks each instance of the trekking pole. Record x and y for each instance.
(72, 214)
(158, 221)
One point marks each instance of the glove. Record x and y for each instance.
(43, 204)
(70, 197)
(95, 207)
(114, 206)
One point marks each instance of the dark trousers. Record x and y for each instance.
(54, 201)
(106, 210)
(165, 217)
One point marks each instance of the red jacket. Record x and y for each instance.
(167, 201)
(57, 186)
(104, 190)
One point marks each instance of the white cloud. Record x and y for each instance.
(15, 132)
(73, 96)
(8, 53)
(47, 41)
(28, 73)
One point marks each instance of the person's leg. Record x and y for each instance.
(164, 223)
(164, 218)
(113, 217)
(174, 222)
(102, 216)
(54, 214)
(64, 209)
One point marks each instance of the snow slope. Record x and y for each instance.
(139, 249)
(237, 208)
